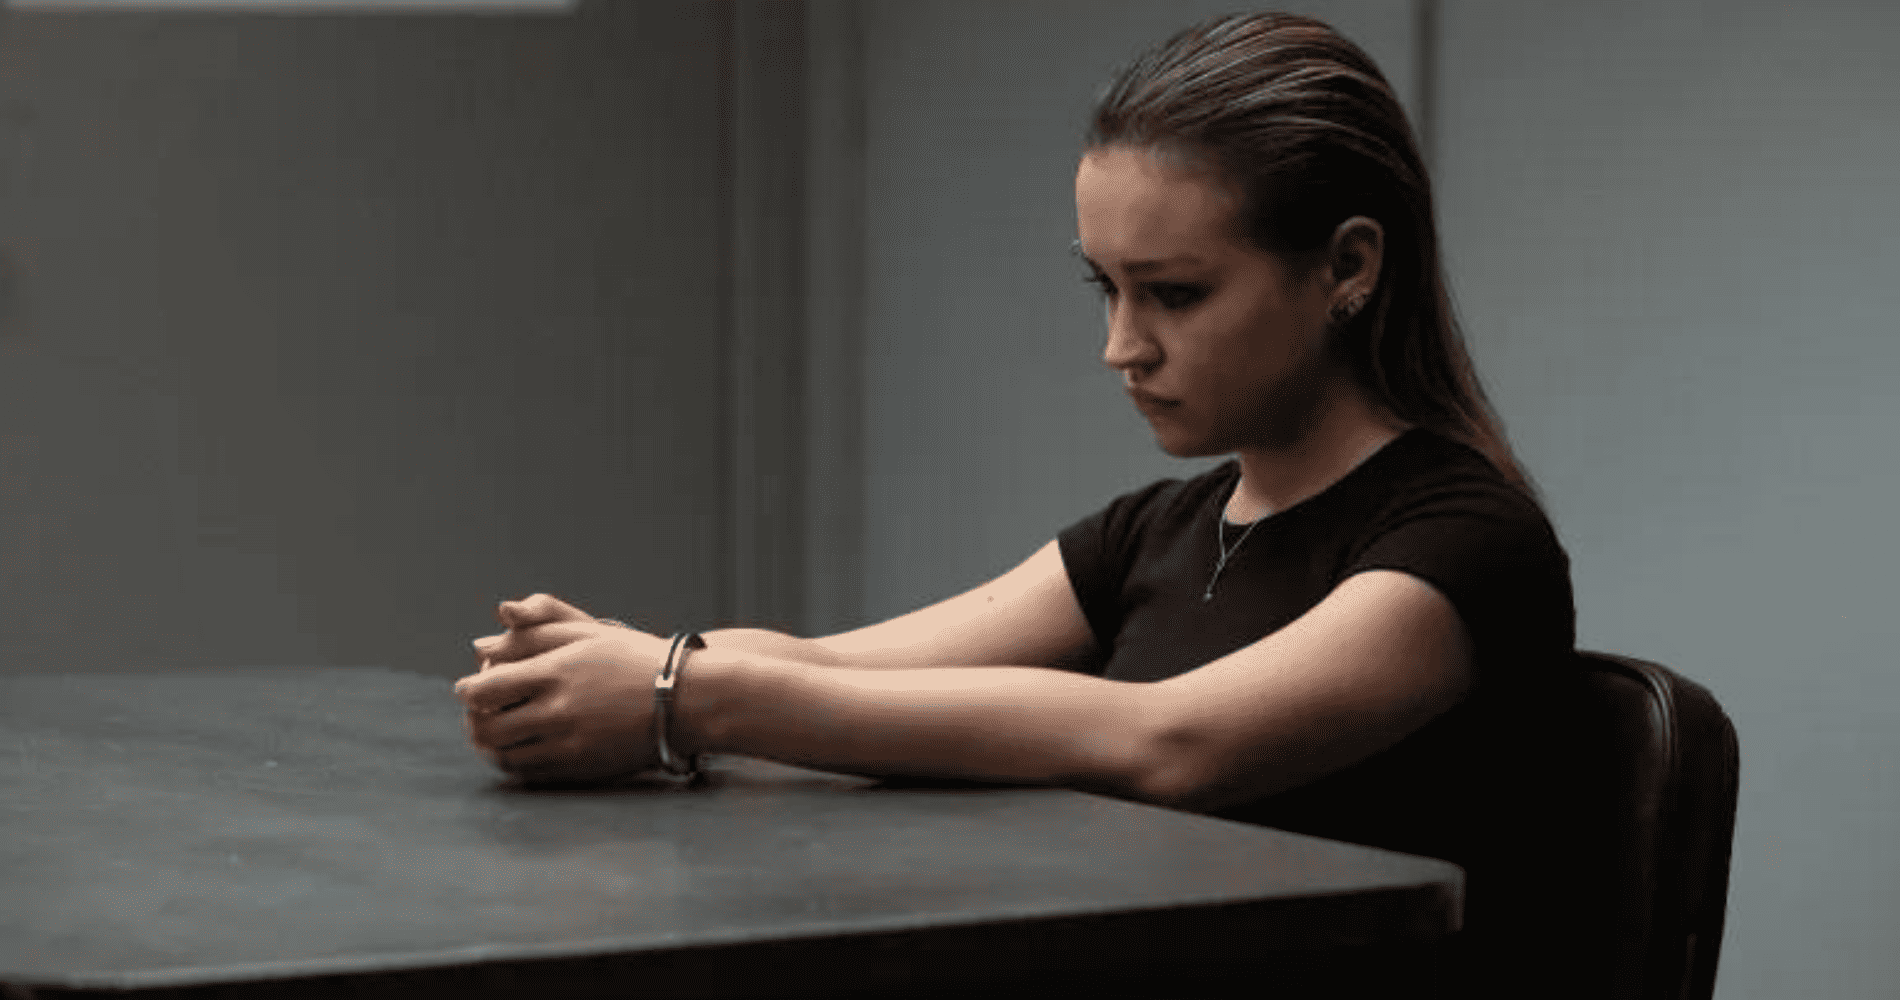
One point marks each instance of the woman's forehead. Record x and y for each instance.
(1131, 203)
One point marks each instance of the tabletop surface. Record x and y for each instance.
(199, 827)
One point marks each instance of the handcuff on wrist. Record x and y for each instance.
(663, 684)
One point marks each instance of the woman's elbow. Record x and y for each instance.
(1178, 769)
(1166, 754)
(1191, 768)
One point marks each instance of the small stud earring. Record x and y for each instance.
(1342, 312)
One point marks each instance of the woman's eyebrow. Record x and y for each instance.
(1140, 266)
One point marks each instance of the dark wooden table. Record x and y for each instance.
(323, 832)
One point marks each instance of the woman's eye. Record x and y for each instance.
(1178, 296)
(1171, 296)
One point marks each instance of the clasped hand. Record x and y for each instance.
(561, 697)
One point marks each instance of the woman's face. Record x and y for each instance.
(1223, 344)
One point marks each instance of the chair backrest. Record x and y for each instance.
(1657, 762)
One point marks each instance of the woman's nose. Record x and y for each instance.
(1127, 349)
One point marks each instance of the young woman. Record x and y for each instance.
(1336, 632)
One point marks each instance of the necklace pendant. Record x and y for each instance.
(1208, 596)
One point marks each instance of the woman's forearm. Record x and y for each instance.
(1024, 725)
(776, 645)
(811, 652)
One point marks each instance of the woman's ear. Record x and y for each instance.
(1357, 255)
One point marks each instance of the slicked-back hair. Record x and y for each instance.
(1300, 123)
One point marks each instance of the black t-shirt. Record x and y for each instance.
(1424, 505)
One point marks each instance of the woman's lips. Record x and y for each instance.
(1148, 402)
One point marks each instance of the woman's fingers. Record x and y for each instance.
(581, 711)
(538, 609)
(516, 727)
(516, 645)
(521, 616)
(499, 692)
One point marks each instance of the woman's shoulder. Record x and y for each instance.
(1448, 516)
(1440, 503)
(1432, 469)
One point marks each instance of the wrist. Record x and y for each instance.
(722, 695)
(672, 756)
(692, 730)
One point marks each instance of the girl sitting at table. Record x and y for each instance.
(1342, 631)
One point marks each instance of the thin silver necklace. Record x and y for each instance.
(1220, 541)
(1220, 517)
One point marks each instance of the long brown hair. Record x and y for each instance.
(1301, 123)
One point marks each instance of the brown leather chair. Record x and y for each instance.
(1656, 762)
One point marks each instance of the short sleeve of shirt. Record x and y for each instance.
(1490, 551)
(1099, 551)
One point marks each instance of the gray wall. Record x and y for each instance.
(1675, 238)
(319, 335)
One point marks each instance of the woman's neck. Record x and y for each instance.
(1348, 431)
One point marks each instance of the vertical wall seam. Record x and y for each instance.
(834, 277)
(768, 126)
(728, 507)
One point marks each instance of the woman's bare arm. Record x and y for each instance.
(1377, 659)
(1028, 616)
(1026, 725)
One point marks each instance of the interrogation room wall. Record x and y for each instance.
(1674, 234)
(319, 335)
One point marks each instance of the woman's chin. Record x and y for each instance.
(1179, 445)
